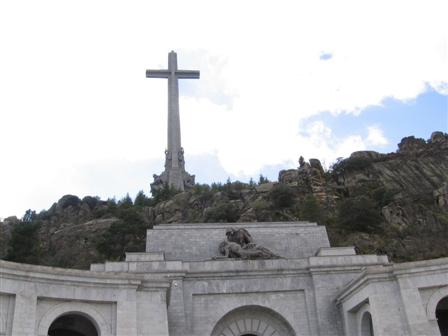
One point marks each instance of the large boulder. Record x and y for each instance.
(441, 196)
(288, 176)
(369, 155)
(439, 139)
(69, 200)
(412, 145)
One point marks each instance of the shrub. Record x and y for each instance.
(282, 196)
(351, 164)
(163, 194)
(224, 212)
(91, 201)
(141, 199)
(204, 193)
(262, 180)
(233, 190)
(125, 202)
(29, 216)
(310, 209)
(24, 243)
(126, 235)
(262, 210)
(383, 196)
(217, 186)
(359, 214)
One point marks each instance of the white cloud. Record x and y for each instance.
(376, 137)
(74, 90)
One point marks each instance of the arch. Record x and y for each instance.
(79, 308)
(366, 324)
(364, 318)
(253, 320)
(73, 324)
(433, 301)
(442, 316)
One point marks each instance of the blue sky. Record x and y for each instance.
(397, 119)
(421, 116)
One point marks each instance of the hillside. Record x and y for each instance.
(394, 204)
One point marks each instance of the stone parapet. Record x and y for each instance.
(196, 242)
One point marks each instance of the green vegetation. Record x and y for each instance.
(224, 212)
(125, 235)
(310, 210)
(282, 196)
(351, 164)
(142, 200)
(24, 243)
(359, 214)
(381, 207)
(163, 194)
(262, 180)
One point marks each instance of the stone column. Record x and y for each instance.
(414, 311)
(152, 313)
(127, 314)
(24, 320)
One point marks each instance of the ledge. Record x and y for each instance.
(248, 225)
(54, 275)
(336, 251)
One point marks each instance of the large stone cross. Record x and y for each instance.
(174, 175)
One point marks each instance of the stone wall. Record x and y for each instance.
(201, 241)
(32, 297)
(401, 298)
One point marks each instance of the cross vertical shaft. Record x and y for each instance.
(174, 175)
(174, 142)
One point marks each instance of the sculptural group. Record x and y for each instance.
(240, 244)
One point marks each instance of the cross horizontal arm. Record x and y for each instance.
(187, 74)
(157, 73)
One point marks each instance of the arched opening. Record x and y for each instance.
(366, 324)
(253, 321)
(72, 324)
(442, 316)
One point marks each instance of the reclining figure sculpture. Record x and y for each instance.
(239, 244)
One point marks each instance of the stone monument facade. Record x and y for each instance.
(179, 288)
(174, 175)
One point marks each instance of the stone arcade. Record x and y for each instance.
(239, 279)
(182, 285)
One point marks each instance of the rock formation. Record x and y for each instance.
(406, 190)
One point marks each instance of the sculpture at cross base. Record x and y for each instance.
(240, 245)
(174, 176)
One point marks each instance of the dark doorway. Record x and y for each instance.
(72, 325)
(366, 325)
(442, 316)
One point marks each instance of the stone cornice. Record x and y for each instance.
(369, 275)
(425, 266)
(248, 225)
(390, 272)
(45, 274)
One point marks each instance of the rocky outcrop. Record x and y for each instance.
(441, 196)
(406, 189)
(418, 167)
(308, 178)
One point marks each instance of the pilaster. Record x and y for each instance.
(24, 320)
